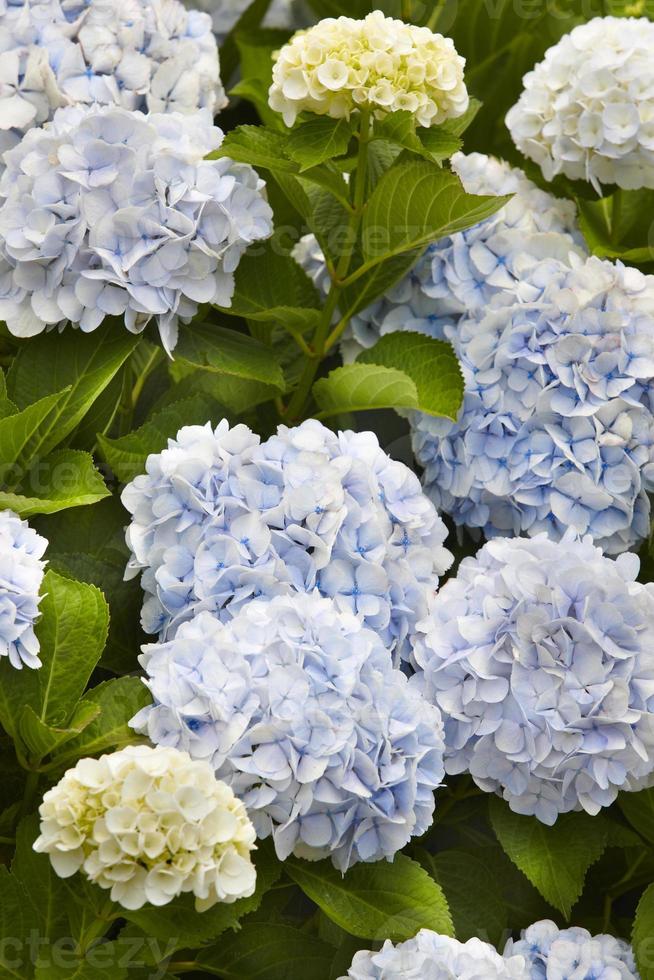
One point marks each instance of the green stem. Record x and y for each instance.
(406, 10)
(320, 344)
(98, 927)
(29, 793)
(624, 884)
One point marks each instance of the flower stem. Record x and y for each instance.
(29, 793)
(322, 339)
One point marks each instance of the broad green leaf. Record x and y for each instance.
(400, 129)
(638, 808)
(45, 891)
(376, 282)
(41, 739)
(416, 203)
(259, 146)
(16, 920)
(357, 387)
(116, 702)
(64, 478)
(431, 364)
(179, 918)
(473, 893)
(269, 952)
(127, 454)
(273, 287)
(21, 433)
(375, 901)
(81, 364)
(642, 937)
(555, 859)
(320, 138)
(229, 352)
(238, 395)
(458, 126)
(620, 226)
(256, 47)
(72, 632)
(103, 961)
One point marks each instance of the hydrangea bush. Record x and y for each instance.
(326, 456)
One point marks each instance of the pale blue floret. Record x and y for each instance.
(21, 575)
(219, 519)
(538, 655)
(298, 707)
(553, 954)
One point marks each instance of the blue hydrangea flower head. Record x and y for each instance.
(556, 428)
(150, 55)
(21, 575)
(461, 274)
(429, 956)
(538, 654)
(109, 212)
(299, 709)
(552, 953)
(220, 518)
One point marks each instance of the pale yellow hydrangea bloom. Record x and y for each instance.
(378, 63)
(149, 824)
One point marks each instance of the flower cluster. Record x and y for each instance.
(21, 575)
(461, 274)
(552, 953)
(556, 428)
(381, 64)
(537, 653)
(429, 956)
(151, 55)
(108, 212)
(220, 518)
(298, 708)
(587, 110)
(150, 824)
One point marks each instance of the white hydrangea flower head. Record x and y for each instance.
(587, 110)
(299, 709)
(341, 65)
(460, 275)
(557, 426)
(151, 55)
(429, 956)
(537, 654)
(220, 518)
(552, 953)
(21, 576)
(109, 212)
(149, 824)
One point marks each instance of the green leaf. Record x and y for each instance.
(65, 478)
(41, 739)
(416, 203)
(229, 352)
(21, 433)
(127, 454)
(45, 891)
(72, 632)
(642, 937)
(375, 901)
(260, 146)
(103, 961)
(404, 370)
(376, 282)
(638, 808)
(555, 859)
(115, 703)
(359, 387)
(399, 128)
(179, 918)
(619, 226)
(431, 364)
(273, 287)
(238, 395)
(16, 911)
(320, 138)
(269, 952)
(80, 364)
(473, 893)
(458, 126)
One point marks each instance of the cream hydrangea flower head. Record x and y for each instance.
(587, 110)
(149, 824)
(378, 63)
